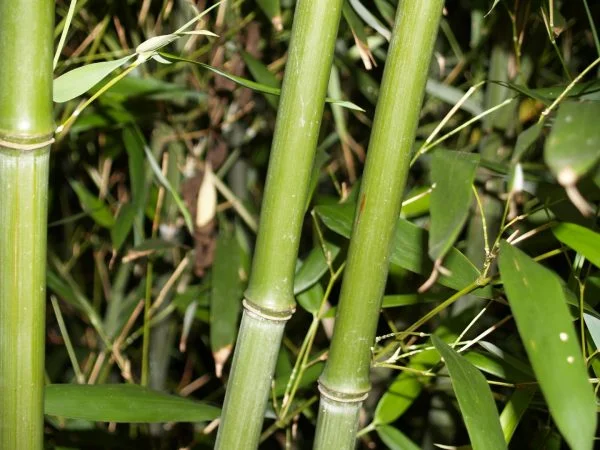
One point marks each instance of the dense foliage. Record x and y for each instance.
(156, 187)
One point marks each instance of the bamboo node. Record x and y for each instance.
(275, 316)
(26, 147)
(342, 397)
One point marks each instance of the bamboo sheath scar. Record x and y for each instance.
(344, 383)
(269, 301)
(26, 132)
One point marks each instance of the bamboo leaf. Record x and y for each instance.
(123, 403)
(536, 297)
(314, 267)
(92, 205)
(593, 325)
(409, 249)
(581, 239)
(123, 225)
(258, 87)
(453, 174)
(497, 366)
(408, 385)
(272, 10)
(515, 408)
(474, 398)
(226, 297)
(395, 439)
(526, 139)
(165, 183)
(78, 81)
(263, 75)
(311, 298)
(573, 147)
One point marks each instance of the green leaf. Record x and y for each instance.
(475, 399)
(453, 174)
(78, 81)
(544, 323)
(156, 43)
(226, 297)
(497, 366)
(272, 9)
(525, 140)
(409, 249)
(165, 183)
(395, 439)
(123, 403)
(311, 298)
(408, 385)
(123, 225)
(452, 95)
(593, 325)
(393, 301)
(581, 239)
(93, 206)
(573, 147)
(258, 87)
(314, 267)
(263, 75)
(515, 408)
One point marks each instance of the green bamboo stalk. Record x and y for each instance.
(269, 300)
(344, 383)
(26, 129)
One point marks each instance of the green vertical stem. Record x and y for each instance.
(26, 129)
(269, 300)
(345, 380)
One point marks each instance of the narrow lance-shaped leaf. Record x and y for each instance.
(92, 205)
(474, 398)
(272, 9)
(580, 239)
(258, 87)
(515, 407)
(165, 183)
(123, 403)
(538, 304)
(78, 81)
(395, 439)
(409, 249)
(573, 147)
(314, 266)
(453, 174)
(226, 298)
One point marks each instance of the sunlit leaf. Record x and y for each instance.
(515, 407)
(78, 81)
(395, 439)
(475, 399)
(536, 298)
(581, 239)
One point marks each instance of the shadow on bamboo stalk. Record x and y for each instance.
(26, 129)
(345, 381)
(269, 301)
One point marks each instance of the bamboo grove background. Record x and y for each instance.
(187, 174)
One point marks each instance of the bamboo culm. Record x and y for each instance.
(26, 130)
(344, 383)
(269, 300)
